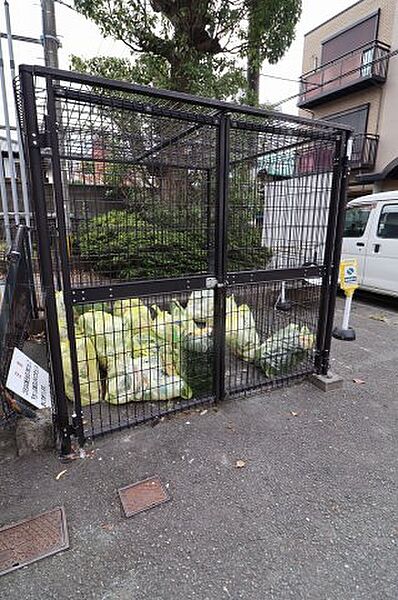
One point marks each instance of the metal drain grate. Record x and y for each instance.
(30, 540)
(142, 495)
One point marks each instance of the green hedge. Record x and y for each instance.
(127, 246)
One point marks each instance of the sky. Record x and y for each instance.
(82, 37)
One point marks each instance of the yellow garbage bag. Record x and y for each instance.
(136, 316)
(240, 330)
(200, 306)
(111, 340)
(89, 375)
(162, 324)
(145, 380)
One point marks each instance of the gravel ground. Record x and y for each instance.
(312, 515)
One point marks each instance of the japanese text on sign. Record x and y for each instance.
(28, 380)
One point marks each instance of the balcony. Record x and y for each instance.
(364, 150)
(355, 70)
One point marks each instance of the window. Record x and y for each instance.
(367, 59)
(356, 118)
(355, 221)
(351, 38)
(388, 223)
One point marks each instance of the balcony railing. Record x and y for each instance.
(356, 69)
(364, 150)
(318, 159)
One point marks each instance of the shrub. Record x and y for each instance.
(126, 246)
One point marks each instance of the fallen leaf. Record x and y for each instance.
(359, 381)
(294, 414)
(61, 474)
(379, 318)
(240, 464)
(107, 526)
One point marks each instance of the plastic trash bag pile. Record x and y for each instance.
(284, 350)
(144, 353)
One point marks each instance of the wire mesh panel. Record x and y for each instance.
(145, 174)
(282, 188)
(183, 227)
(266, 346)
(141, 358)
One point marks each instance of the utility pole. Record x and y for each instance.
(22, 163)
(50, 40)
(10, 150)
(51, 44)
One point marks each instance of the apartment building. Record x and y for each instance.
(350, 78)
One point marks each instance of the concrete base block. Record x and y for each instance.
(327, 383)
(33, 435)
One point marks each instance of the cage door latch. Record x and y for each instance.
(212, 283)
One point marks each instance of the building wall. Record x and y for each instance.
(313, 39)
(371, 96)
(313, 45)
(383, 99)
(388, 130)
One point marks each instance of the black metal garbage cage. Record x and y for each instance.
(198, 245)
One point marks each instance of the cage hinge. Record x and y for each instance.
(73, 427)
(14, 256)
(43, 139)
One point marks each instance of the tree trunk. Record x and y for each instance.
(253, 55)
(253, 82)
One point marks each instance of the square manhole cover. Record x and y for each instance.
(142, 495)
(30, 540)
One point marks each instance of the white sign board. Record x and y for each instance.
(28, 380)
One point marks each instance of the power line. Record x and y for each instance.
(282, 78)
(339, 77)
(66, 4)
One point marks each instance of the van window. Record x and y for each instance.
(388, 223)
(355, 221)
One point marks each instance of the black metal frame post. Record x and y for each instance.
(220, 252)
(28, 254)
(328, 256)
(338, 242)
(44, 247)
(53, 127)
(210, 222)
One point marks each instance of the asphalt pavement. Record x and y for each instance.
(311, 515)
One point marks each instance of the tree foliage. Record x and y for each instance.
(197, 46)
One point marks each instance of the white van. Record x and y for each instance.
(371, 236)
